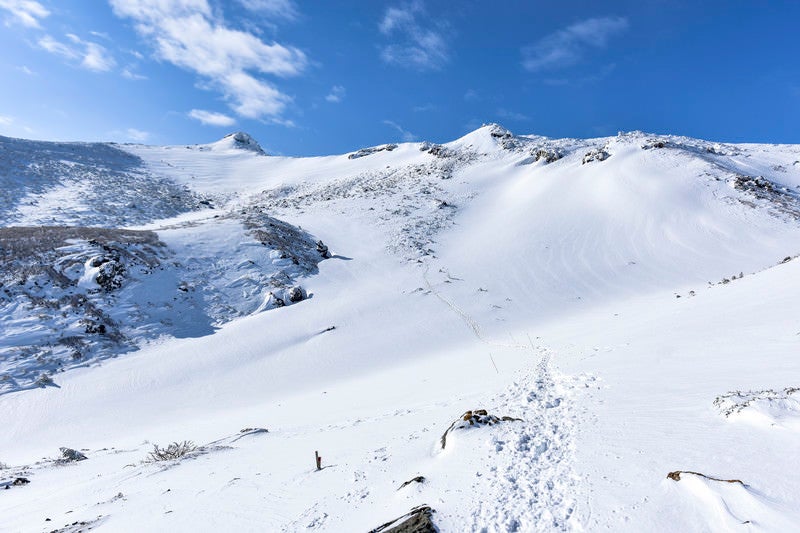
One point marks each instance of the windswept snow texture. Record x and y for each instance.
(628, 304)
(87, 184)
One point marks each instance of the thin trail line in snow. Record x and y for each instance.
(468, 320)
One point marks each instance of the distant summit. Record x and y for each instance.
(241, 141)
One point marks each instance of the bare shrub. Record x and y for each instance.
(176, 450)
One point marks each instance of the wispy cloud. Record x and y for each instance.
(405, 135)
(285, 9)
(567, 46)
(582, 80)
(417, 46)
(506, 114)
(471, 95)
(137, 135)
(129, 135)
(86, 54)
(336, 95)
(424, 108)
(129, 74)
(188, 34)
(6, 121)
(212, 118)
(25, 12)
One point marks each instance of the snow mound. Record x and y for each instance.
(765, 408)
(731, 505)
(486, 139)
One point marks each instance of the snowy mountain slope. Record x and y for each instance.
(78, 289)
(513, 274)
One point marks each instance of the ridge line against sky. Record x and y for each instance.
(310, 79)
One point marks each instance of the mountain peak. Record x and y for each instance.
(241, 141)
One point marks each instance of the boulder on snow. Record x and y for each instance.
(296, 294)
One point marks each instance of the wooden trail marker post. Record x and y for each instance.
(319, 460)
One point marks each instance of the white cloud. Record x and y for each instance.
(6, 121)
(406, 136)
(212, 118)
(56, 47)
(89, 55)
(566, 47)
(25, 70)
(418, 47)
(336, 95)
(25, 12)
(187, 34)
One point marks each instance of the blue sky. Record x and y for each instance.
(323, 77)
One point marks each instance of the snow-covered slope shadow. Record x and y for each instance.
(77, 289)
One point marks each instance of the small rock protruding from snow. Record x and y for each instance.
(598, 154)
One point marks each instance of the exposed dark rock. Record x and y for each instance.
(17, 482)
(651, 144)
(550, 155)
(595, 155)
(435, 150)
(476, 418)
(418, 479)
(68, 455)
(676, 476)
(323, 250)
(296, 294)
(372, 150)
